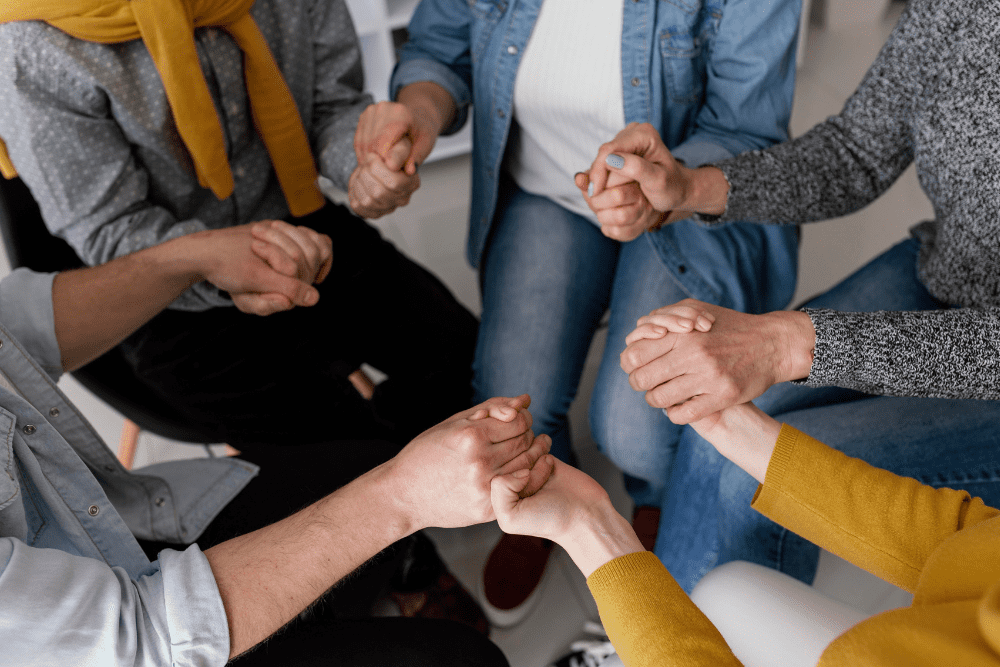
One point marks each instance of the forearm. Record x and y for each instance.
(949, 353)
(267, 577)
(430, 101)
(95, 308)
(600, 535)
(883, 523)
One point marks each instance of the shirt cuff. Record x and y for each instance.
(414, 71)
(195, 615)
(26, 311)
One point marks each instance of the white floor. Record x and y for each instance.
(432, 230)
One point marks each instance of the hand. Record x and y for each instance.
(384, 124)
(442, 478)
(678, 318)
(744, 434)
(569, 508)
(622, 210)
(379, 185)
(227, 258)
(669, 189)
(299, 252)
(693, 375)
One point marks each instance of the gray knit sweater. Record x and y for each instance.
(933, 96)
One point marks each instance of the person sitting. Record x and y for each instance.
(896, 364)
(196, 562)
(938, 543)
(136, 123)
(547, 82)
(133, 124)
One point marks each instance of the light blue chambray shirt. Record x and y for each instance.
(714, 77)
(90, 131)
(75, 587)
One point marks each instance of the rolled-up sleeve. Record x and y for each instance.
(59, 609)
(438, 51)
(26, 311)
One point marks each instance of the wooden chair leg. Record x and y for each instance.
(129, 443)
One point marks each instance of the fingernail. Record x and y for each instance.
(615, 161)
(590, 190)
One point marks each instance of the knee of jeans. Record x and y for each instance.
(629, 439)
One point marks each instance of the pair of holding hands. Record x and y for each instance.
(633, 185)
(266, 267)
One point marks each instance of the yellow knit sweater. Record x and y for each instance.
(939, 544)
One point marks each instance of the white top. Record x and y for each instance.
(567, 97)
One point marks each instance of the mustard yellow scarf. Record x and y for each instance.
(167, 29)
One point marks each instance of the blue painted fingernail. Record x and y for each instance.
(615, 161)
(590, 190)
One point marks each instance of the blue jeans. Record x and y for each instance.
(549, 275)
(707, 519)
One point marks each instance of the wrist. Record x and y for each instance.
(430, 105)
(797, 338)
(402, 514)
(707, 190)
(598, 536)
(182, 260)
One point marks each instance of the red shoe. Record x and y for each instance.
(512, 578)
(646, 523)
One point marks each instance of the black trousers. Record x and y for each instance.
(282, 380)
(338, 630)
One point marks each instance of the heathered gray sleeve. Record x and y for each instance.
(952, 353)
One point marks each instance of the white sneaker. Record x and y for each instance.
(591, 652)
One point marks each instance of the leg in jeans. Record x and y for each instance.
(546, 280)
(282, 379)
(707, 518)
(742, 266)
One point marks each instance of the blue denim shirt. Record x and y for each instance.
(715, 77)
(75, 587)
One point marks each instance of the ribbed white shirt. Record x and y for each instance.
(567, 97)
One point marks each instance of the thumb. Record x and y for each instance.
(296, 291)
(423, 144)
(504, 494)
(398, 154)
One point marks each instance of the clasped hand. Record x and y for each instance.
(634, 184)
(266, 266)
(694, 374)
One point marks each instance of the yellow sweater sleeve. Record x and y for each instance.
(650, 620)
(883, 523)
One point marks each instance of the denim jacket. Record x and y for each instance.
(715, 77)
(75, 586)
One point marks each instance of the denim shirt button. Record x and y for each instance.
(93, 510)
(636, 81)
(500, 113)
(53, 412)
(29, 429)
(160, 502)
(512, 50)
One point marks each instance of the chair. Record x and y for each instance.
(28, 243)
